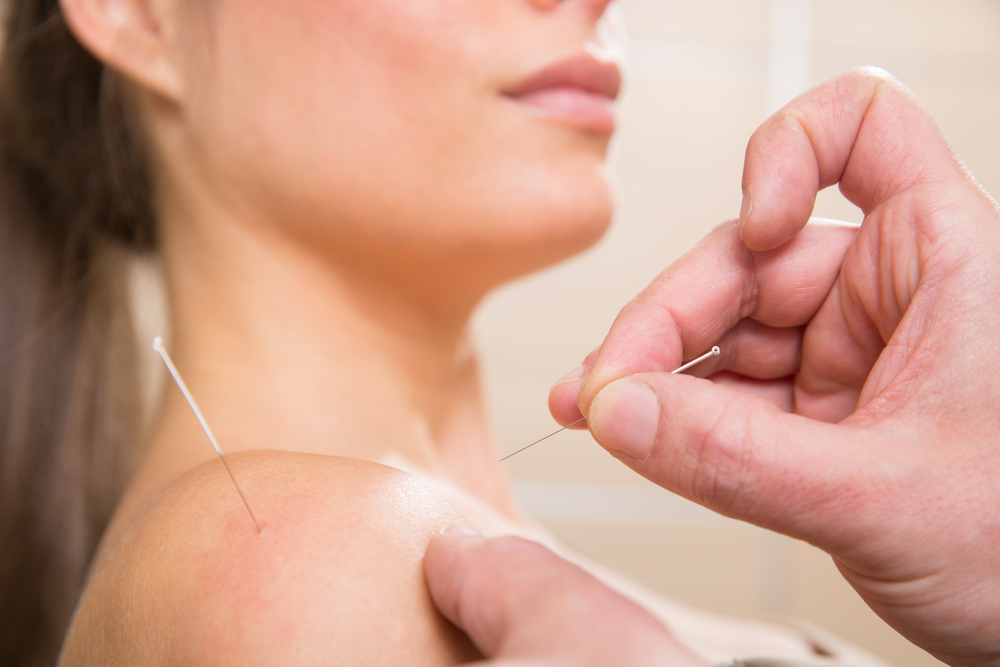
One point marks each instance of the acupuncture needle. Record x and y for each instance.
(162, 351)
(714, 352)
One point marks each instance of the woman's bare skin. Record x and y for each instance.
(334, 577)
(338, 184)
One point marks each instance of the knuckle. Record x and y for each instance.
(871, 72)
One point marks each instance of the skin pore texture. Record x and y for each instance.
(339, 183)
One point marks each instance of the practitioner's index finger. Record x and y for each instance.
(690, 306)
(681, 314)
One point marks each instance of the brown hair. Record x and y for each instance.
(74, 202)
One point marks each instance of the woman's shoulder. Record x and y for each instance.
(334, 576)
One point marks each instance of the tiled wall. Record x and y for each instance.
(705, 74)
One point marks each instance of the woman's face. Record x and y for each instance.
(426, 135)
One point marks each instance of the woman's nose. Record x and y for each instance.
(597, 5)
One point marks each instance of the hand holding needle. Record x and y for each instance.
(714, 352)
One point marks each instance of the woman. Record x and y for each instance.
(331, 187)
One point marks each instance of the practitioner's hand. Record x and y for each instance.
(881, 341)
(520, 603)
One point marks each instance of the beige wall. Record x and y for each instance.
(704, 75)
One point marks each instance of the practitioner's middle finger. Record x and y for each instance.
(755, 351)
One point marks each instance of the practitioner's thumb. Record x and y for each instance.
(732, 452)
(520, 603)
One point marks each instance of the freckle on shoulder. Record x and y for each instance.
(335, 575)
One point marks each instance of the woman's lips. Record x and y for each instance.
(580, 91)
(576, 106)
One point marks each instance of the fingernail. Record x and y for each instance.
(625, 417)
(746, 209)
(458, 529)
(573, 375)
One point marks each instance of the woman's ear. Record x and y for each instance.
(131, 37)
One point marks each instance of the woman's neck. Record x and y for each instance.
(284, 350)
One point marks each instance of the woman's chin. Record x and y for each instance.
(562, 242)
(535, 247)
(464, 243)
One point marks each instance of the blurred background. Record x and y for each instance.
(703, 76)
